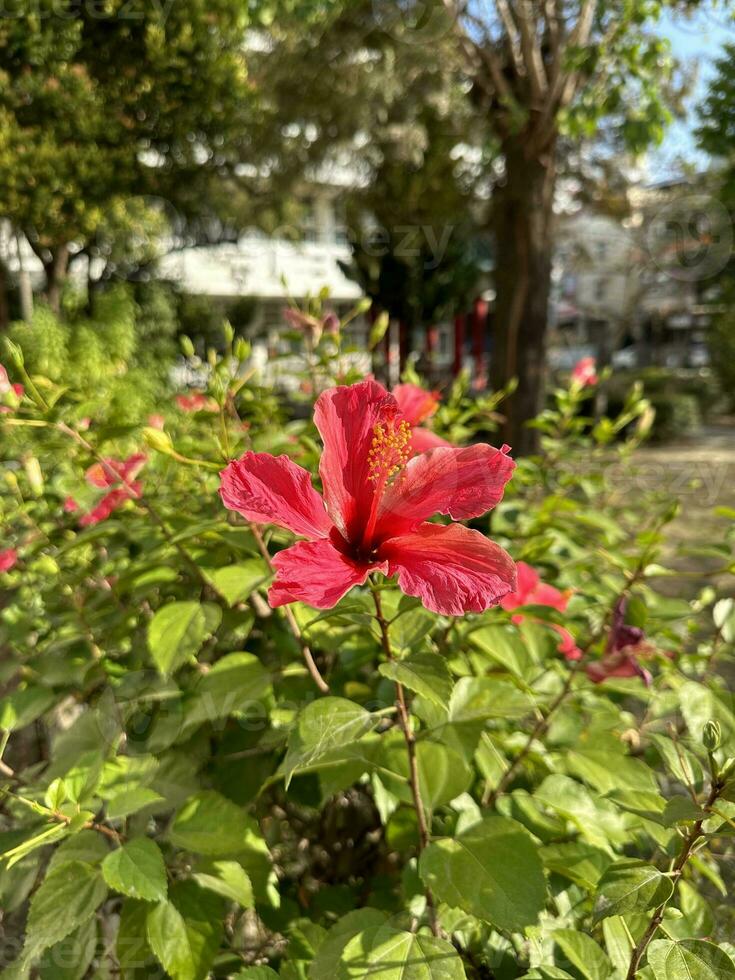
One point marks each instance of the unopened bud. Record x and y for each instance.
(711, 735)
(158, 440)
(186, 345)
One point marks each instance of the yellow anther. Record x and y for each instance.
(389, 451)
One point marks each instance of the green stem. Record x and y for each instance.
(413, 769)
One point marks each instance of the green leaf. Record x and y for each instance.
(256, 973)
(583, 953)
(177, 631)
(443, 773)
(23, 706)
(234, 682)
(631, 886)
(236, 582)
(385, 953)
(504, 646)
(137, 869)
(131, 801)
(326, 963)
(65, 900)
(184, 932)
(323, 725)
(210, 824)
(70, 958)
(492, 870)
(680, 808)
(229, 879)
(424, 673)
(87, 846)
(691, 959)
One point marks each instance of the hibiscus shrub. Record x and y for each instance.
(336, 697)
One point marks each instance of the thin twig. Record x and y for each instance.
(413, 769)
(685, 853)
(291, 619)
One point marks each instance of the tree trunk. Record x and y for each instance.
(522, 216)
(56, 271)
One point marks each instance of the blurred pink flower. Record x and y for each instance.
(8, 558)
(109, 474)
(156, 421)
(417, 405)
(197, 401)
(531, 591)
(584, 372)
(70, 505)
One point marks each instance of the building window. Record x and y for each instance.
(601, 251)
(600, 290)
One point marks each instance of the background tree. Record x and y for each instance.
(540, 70)
(140, 99)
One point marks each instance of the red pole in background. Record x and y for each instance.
(403, 344)
(459, 331)
(479, 320)
(432, 342)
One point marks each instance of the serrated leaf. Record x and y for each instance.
(131, 801)
(492, 870)
(385, 953)
(425, 673)
(630, 886)
(691, 959)
(323, 725)
(184, 932)
(233, 682)
(65, 900)
(236, 582)
(327, 960)
(137, 869)
(505, 647)
(210, 824)
(70, 958)
(177, 632)
(680, 808)
(229, 879)
(583, 953)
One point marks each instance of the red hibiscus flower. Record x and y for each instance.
(374, 513)
(532, 591)
(625, 644)
(196, 402)
(417, 405)
(8, 558)
(584, 372)
(118, 474)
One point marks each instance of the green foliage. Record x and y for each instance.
(176, 786)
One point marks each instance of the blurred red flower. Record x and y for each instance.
(8, 558)
(585, 372)
(532, 591)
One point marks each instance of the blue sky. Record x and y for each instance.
(696, 40)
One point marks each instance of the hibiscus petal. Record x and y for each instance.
(452, 569)
(460, 482)
(274, 490)
(346, 418)
(422, 440)
(416, 404)
(528, 580)
(316, 573)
